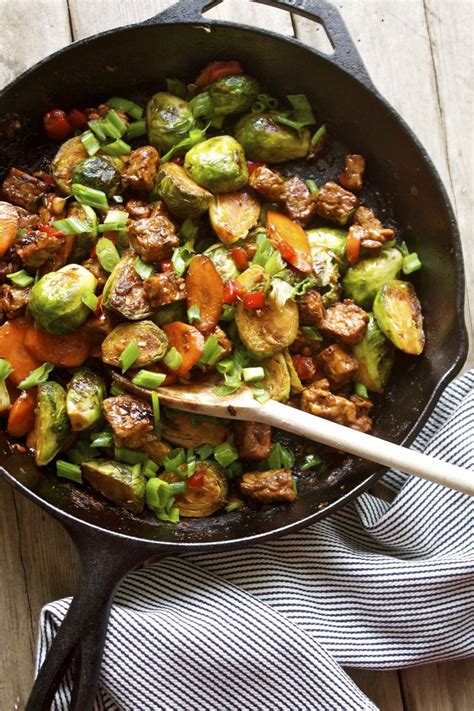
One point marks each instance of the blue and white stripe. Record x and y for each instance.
(377, 585)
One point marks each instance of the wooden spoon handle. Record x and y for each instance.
(365, 446)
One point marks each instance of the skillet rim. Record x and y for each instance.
(74, 524)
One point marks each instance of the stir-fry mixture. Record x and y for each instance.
(164, 245)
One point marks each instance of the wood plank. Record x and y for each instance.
(439, 687)
(381, 687)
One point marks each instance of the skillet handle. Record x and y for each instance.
(104, 561)
(345, 53)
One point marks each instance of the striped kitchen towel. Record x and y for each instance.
(377, 585)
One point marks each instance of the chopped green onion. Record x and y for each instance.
(107, 254)
(21, 278)
(311, 333)
(224, 390)
(90, 143)
(302, 111)
(286, 121)
(89, 196)
(391, 243)
(403, 249)
(201, 106)
(125, 105)
(71, 226)
(274, 264)
(116, 390)
(116, 217)
(136, 129)
(312, 186)
(130, 456)
(234, 470)
(303, 286)
(148, 379)
(251, 375)
(205, 451)
(81, 452)
(310, 462)
(232, 506)
(228, 313)
(294, 485)
(172, 515)
(279, 457)
(149, 469)
(157, 493)
(195, 136)
(262, 396)
(190, 462)
(411, 263)
(36, 377)
(174, 459)
(258, 107)
(173, 359)
(225, 454)
(117, 148)
(97, 127)
(212, 351)
(66, 470)
(129, 355)
(90, 300)
(177, 487)
(144, 271)
(194, 313)
(188, 230)
(5, 369)
(264, 251)
(361, 390)
(102, 439)
(155, 403)
(91, 224)
(115, 120)
(318, 135)
(176, 87)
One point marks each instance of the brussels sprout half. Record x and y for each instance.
(182, 196)
(364, 279)
(398, 314)
(152, 343)
(51, 423)
(85, 394)
(375, 356)
(184, 431)
(204, 500)
(121, 483)
(97, 172)
(232, 215)
(217, 164)
(233, 94)
(169, 120)
(268, 330)
(124, 293)
(328, 238)
(277, 379)
(264, 139)
(56, 299)
(68, 156)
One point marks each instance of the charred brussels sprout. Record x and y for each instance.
(205, 499)
(85, 394)
(99, 173)
(223, 262)
(56, 299)
(124, 293)
(398, 314)
(121, 483)
(182, 196)
(217, 164)
(193, 431)
(233, 94)
(232, 215)
(328, 238)
(264, 139)
(363, 280)
(268, 330)
(152, 343)
(169, 120)
(375, 356)
(277, 379)
(68, 156)
(51, 424)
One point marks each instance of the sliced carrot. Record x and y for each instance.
(354, 238)
(9, 223)
(188, 342)
(12, 347)
(63, 351)
(282, 230)
(21, 418)
(205, 290)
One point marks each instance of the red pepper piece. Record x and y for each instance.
(233, 291)
(166, 265)
(217, 70)
(254, 300)
(50, 231)
(241, 260)
(98, 310)
(56, 124)
(196, 480)
(304, 366)
(76, 119)
(286, 250)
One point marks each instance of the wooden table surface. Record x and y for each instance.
(419, 54)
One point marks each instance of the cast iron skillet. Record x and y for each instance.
(178, 42)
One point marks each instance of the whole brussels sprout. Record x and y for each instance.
(51, 423)
(183, 197)
(99, 173)
(217, 164)
(364, 279)
(223, 262)
(56, 299)
(169, 120)
(152, 342)
(375, 356)
(398, 314)
(121, 483)
(68, 156)
(85, 394)
(264, 139)
(233, 94)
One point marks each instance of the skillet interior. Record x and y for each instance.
(134, 62)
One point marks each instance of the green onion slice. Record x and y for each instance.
(89, 196)
(311, 333)
(148, 379)
(411, 263)
(155, 403)
(71, 226)
(107, 254)
(66, 470)
(5, 369)
(90, 143)
(225, 454)
(251, 375)
(212, 351)
(361, 390)
(130, 456)
(205, 451)
(125, 105)
(117, 148)
(136, 129)
(310, 462)
(102, 439)
(129, 355)
(150, 469)
(176, 87)
(21, 278)
(90, 300)
(36, 377)
(173, 359)
(194, 313)
(174, 459)
(144, 271)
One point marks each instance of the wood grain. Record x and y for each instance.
(419, 54)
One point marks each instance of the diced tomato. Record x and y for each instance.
(217, 70)
(166, 265)
(56, 124)
(353, 246)
(76, 118)
(304, 366)
(253, 165)
(51, 231)
(241, 260)
(233, 291)
(254, 300)
(196, 480)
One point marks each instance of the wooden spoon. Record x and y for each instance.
(200, 399)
